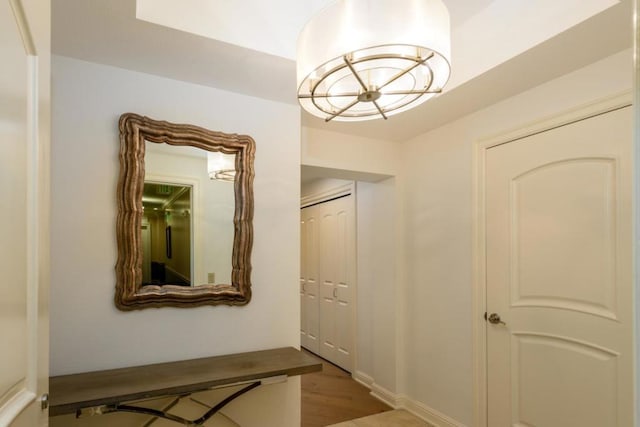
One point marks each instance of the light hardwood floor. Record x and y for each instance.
(332, 396)
(399, 417)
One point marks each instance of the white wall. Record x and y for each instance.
(334, 150)
(87, 331)
(438, 207)
(379, 293)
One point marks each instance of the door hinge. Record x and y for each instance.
(44, 401)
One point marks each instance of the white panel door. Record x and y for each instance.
(337, 265)
(24, 133)
(328, 287)
(559, 264)
(309, 308)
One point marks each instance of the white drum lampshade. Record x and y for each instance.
(366, 59)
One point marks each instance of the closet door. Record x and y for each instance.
(337, 263)
(327, 282)
(309, 315)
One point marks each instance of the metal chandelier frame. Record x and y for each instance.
(372, 93)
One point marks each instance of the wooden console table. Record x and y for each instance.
(108, 391)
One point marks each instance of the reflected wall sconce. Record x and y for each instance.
(366, 59)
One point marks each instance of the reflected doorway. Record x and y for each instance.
(166, 234)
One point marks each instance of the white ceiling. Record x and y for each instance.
(499, 47)
(270, 27)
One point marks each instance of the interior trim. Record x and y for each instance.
(325, 196)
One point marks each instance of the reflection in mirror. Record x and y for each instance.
(221, 166)
(166, 234)
(205, 254)
(185, 210)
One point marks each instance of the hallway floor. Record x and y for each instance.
(332, 396)
(394, 418)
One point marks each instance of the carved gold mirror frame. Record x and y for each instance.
(130, 293)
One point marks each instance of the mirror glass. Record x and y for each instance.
(188, 215)
(185, 210)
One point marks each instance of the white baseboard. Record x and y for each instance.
(428, 414)
(363, 379)
(384, 395)
(401, 401)
(377, 391)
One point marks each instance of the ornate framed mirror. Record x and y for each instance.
(185, 210)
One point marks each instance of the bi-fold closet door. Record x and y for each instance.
(327, 279)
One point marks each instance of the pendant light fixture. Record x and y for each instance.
(366, 59)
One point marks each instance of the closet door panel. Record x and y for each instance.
(310, 327)
(343, 286)
(328, 287)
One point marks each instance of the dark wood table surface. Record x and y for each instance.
(68, 393)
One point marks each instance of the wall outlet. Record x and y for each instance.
(211, 278)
